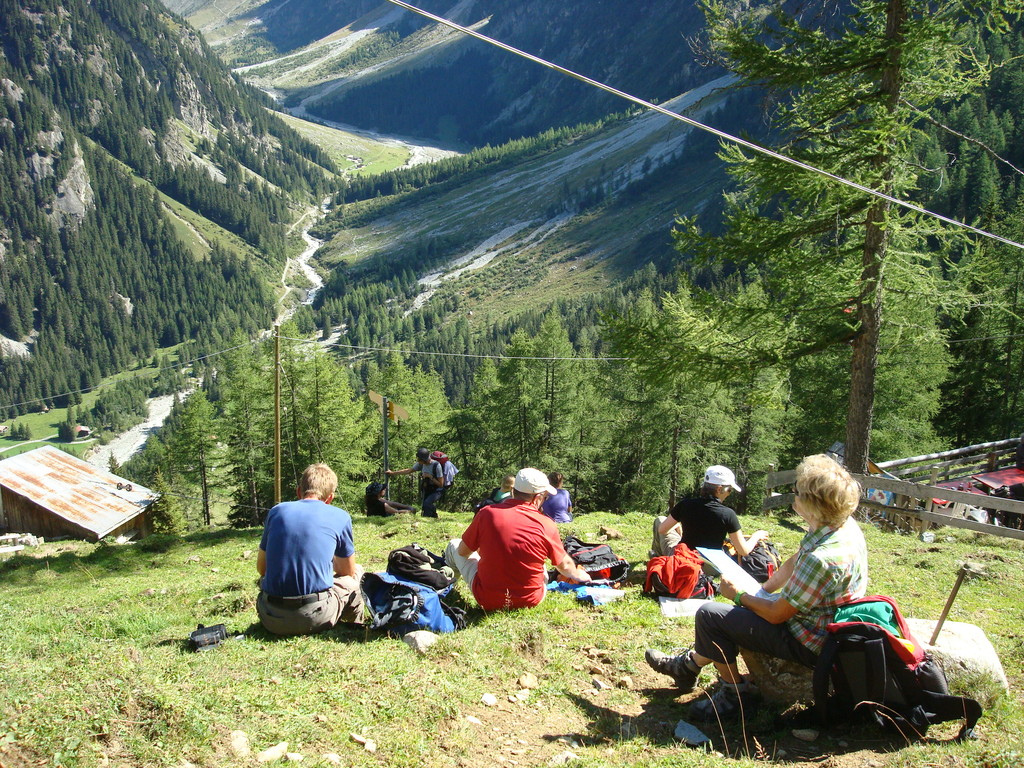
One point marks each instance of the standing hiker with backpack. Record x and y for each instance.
(829, 569)
(432, 479)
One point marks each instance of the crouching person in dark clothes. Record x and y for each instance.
(310, 580)
(829, 569)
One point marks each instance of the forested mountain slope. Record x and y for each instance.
(563, 218)
(553, 233)
(380, 66)
(143, 193)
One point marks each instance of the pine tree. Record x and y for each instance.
(983, 398)
(192, 450)
(165, 513)
(420, 394)
(66, 431)
(247, 395)
(849, 88)
(322, 420)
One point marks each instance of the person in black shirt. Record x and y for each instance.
(704, 521)
(378, 506)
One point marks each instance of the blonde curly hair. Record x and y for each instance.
(828, 488)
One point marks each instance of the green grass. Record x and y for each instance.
(353, 154)
(97, 669)
(44, 424)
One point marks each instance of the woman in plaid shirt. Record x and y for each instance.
(829, 569)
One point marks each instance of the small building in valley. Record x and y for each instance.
(47, 492)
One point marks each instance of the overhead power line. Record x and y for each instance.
(181, 364)
(466, 355)
(461, 354)
(696, 124)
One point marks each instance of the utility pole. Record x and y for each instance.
(385, 412)
(277, 414)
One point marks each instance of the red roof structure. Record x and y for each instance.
(48, 492)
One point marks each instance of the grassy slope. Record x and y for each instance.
(97, 668)
(580, 254)
(354, 155)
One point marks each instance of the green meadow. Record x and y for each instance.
(98, 670)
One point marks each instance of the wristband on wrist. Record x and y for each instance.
(738, 599)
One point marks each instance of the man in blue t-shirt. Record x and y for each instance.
(310, 579)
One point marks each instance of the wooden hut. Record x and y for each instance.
(47, 492)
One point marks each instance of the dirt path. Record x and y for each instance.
(127, 444)
(302, 264)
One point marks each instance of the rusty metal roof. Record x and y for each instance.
(74, 489)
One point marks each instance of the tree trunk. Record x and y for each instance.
(864, 361)
(205, 486)
(674, 471)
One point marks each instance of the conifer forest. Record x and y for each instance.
(741, 310)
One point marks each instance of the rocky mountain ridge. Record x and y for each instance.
(413, 77)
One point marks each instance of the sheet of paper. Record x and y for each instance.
(731, 570)
(675, 608)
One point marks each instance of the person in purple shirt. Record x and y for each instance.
(559, 506)
(309, 579)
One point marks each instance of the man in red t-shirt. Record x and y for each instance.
(501, 555)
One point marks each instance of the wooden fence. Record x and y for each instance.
(914, 503)
(959, 462)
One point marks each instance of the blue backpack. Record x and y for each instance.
(398, 606)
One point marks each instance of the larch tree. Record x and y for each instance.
(322, 420)
(247, 395)
(848, 87)
(421, 395)
(194, 445)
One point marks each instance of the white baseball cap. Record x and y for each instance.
(530, 480)
(719, 475)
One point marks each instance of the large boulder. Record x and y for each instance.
(967, 657)
(962, 650)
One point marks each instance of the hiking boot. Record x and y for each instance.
(680, 668)
(727, 702)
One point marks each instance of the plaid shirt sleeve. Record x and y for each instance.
(806, 588)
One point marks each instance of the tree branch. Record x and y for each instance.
(969, 139)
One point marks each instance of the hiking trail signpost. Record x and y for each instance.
(389, 412)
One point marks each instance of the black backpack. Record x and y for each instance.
(761, 563)
(867, 671)
(416, 563)
(598, 560)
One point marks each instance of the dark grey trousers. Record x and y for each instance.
(343, 602)
(721, 630)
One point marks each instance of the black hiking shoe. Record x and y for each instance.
(683, 671)
(725, 703)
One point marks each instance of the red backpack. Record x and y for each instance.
(678, 575)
